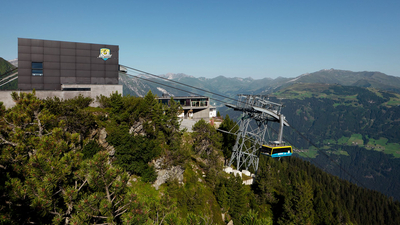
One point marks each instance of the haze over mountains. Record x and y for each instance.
(233, 86)
(352, 116)
(14, 62)
(349, 78)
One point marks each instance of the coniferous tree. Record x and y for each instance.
(54, 171)
(207, 143)
(108, 197)
(22, 129)
(222, 197)
(251, 218)
(238, 200)
(228, 140)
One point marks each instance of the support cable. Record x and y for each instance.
(225, 97)
(180, 83)
(8, 72)
(149, 80)
(309, 141)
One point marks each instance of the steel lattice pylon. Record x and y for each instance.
(250, 137)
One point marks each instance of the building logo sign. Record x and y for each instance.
(105, 53)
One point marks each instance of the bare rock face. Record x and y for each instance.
(103, 142)
(102, 137)
(158, 164)
(137, 129)
(163, 175)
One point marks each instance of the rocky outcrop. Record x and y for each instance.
(164, 171)
(165, 174)
(101, 135)
(137, 128)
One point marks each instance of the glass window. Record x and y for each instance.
(37, 72)
(280, 150)
(265, 149)
(37, 69)
(37, 65)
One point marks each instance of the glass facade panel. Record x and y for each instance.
(266, 150)
(199, 102)
(37, 72)
(280, 150)
(37, 69)
(37, 65)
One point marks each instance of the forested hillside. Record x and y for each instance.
(63, 162)
(220, 85)
(371, 79)
(358, 128)
(7, 82)
(232, 86)
(5, 66)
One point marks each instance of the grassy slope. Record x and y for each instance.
(359, 79)
(5, 66)
(357, 128)
(350, 99)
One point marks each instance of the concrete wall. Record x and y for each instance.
(96, 90)
(213, 112)
(201, 114)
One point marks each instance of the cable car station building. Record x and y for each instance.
(194, 107)
(65, 69)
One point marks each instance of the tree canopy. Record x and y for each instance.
(64, 162)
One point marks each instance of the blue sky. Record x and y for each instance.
(208, 38)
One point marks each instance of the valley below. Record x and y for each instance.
(352, 117)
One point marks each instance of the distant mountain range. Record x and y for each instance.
(139, 85)
(8, 76)
(5, 66)
(233, 86)
(352, 116)
(175, 76)
(13, 62)
(348, 78)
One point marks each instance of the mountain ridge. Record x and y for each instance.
(230, 86)
(14, 62)
(349, 78)
(5, 66)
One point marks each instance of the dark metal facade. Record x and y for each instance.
(65, 63)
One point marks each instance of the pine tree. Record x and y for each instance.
(228, 140)
(298, 205)
(39, 154)
(265, 182)
(207, 144)
(251, 218)
(108, 198)
(238, 200)
(222, 197)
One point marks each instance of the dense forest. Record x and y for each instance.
(6, 82)
(357, 127)
(343, 111)
(64, 162)
(5, 66)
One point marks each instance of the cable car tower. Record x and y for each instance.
(251, 137)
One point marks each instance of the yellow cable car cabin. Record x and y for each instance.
(277, 151)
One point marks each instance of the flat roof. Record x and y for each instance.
(181, 97)
(78, 42)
